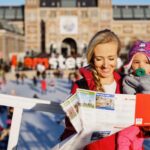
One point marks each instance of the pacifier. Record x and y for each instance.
(140, 72)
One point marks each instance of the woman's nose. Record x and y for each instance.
(105, 63)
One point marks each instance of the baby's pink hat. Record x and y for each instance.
(139, 46)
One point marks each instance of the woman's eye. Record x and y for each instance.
(111, 59)
(98, 59)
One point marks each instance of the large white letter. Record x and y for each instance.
(61, 61)
(84, 62)
(53, 63)
(70, 63)
(78, 62)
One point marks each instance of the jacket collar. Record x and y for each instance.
(87, 74)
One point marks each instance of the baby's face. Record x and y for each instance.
(140, 60)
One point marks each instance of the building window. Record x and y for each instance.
(68, 3)
(53, 4)
(138, 13)
(83, 4)
(147, 12)
(43, 4)
(19, 13)
(48, 3)
(116, 13)
(1, 13)
(88, 3)
(10, 13)
(127, 13)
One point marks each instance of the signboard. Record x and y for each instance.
(68, 25)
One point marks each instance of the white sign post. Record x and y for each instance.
(19, 103)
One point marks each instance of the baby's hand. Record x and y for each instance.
(130, 84)
(131, 81)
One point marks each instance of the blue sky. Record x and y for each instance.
(20, 2)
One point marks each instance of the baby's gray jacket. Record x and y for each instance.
(134, 84)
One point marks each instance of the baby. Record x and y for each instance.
(137, 80)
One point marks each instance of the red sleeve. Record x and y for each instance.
(107, 143)
(74, 88)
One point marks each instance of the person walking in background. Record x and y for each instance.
(38, 74)
(72, 77)
(34, 81)
(40, 70)
(22, 76)
(17, 77)
(43, 86)
(2, 77)
(35, 96)
(137, 80)
(102, 53)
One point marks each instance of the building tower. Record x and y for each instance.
(106, 13)
(32, 25)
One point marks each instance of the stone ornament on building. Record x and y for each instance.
(68, 25)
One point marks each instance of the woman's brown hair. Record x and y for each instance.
(101, 37)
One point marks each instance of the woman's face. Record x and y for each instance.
(105, 59)
(140, 60)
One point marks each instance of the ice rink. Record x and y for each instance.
(39, 130)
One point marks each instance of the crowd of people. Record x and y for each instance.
(41, 79)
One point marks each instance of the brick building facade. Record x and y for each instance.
(66, 26)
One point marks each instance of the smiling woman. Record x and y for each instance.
(99, 75)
